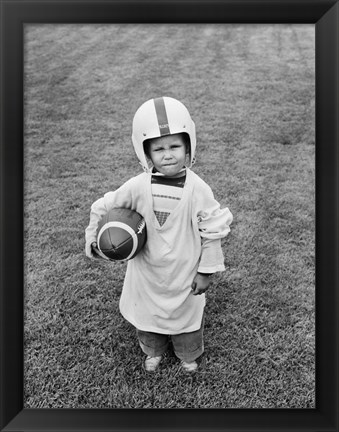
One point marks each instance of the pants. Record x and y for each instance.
(187, 346)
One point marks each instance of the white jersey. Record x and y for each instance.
(156, 295)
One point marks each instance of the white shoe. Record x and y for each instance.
(152, 363)
(189, 367)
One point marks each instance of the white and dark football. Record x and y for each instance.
(121, 234)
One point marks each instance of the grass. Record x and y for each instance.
(250, 90)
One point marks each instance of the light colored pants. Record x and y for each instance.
(187, 346)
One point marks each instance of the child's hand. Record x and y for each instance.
(97, 253)
(200, 283)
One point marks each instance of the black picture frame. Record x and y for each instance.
(324, 14)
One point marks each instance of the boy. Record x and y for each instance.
(163, 293)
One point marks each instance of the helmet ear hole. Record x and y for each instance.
(146, 145)
(187, 143)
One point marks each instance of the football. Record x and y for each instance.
(121, 234)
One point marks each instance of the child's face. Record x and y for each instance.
(168, 154)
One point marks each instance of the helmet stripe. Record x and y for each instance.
(160, 110)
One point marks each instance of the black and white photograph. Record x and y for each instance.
(206, 133)
(169, 208)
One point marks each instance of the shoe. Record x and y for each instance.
(152, 363)
(189, 367)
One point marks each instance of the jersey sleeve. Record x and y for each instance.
(213, 221)
(212, 257)
(122, 197)
(213, 224)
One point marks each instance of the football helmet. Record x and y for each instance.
(158, 117)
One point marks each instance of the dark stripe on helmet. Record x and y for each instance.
(160, 109)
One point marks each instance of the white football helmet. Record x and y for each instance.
(158, 117)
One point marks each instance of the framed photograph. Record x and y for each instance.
(260, 80)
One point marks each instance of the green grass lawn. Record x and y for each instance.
(250, 90)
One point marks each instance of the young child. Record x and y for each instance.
(163, 292)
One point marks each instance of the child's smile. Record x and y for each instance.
(168, 154)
